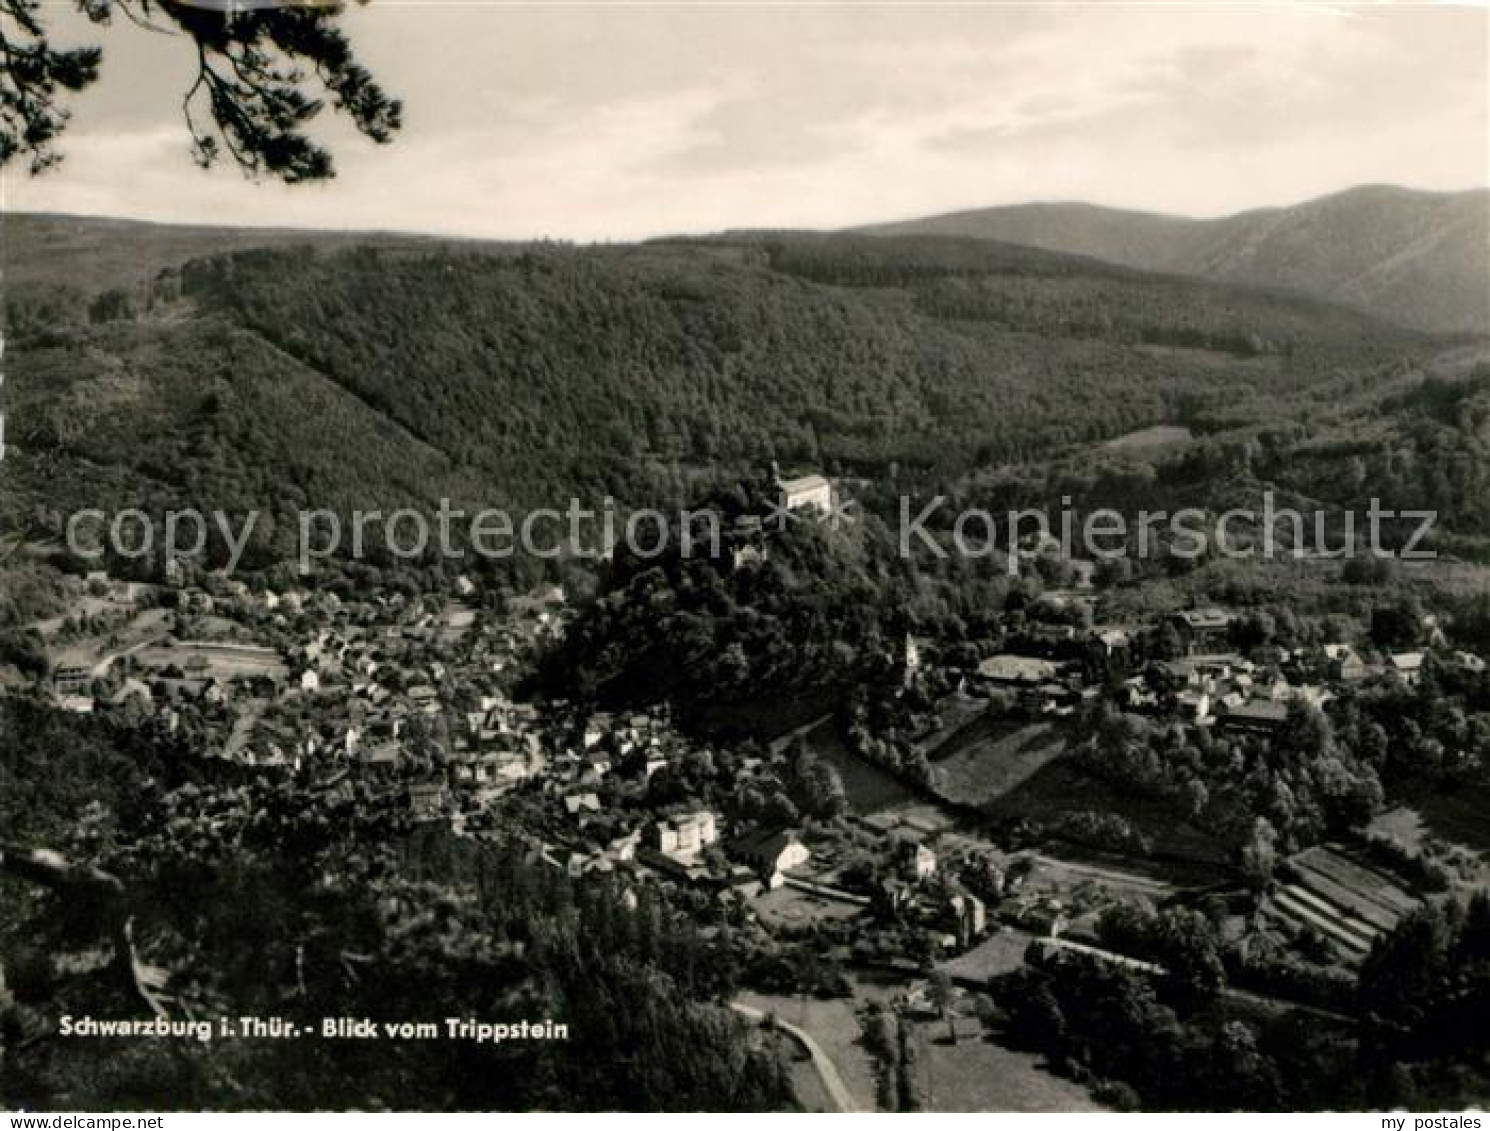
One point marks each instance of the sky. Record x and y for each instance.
(590, 121)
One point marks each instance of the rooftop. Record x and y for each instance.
(802, 483)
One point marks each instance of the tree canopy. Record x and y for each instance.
(263, 74)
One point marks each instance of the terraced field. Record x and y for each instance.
(1347, 902)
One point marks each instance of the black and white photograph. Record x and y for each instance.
(665, 556)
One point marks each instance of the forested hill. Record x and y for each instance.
(403, 371)
(93, 254)
(1418, 258)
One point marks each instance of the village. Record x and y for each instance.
(857, 889)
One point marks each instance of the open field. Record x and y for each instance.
(1462, 817)
(834, 1025)
(954, 713)
(98, 652)
(807, 1085)
(921, 818)
(1000, 953)
(989, 757)
(1060, 788)
(1460, 822)
(973, 1075)
(792, 907)
(222, 661)
(977, 1075)
(1064, 877)
(86, 605)
(1403, 824)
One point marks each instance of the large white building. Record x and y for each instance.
(687, 834)
(806, 492)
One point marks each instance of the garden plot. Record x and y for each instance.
(1349, 904)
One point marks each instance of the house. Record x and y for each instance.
(917, 862)
(1407, 665)
(78, 704)
(914, 650)
(132, 689)
(576, 863)
(1343, 664)
(622, 849)
(1257, 716)
(70, 678)
(1044, 918)
(597, 763)
(686, 834)
(310, 680)
(918, 1001)
(1137, 696)
(967, 917)
(495, 769)
(892, 896)
(1193, 705)
(771, 852)
(748, 555)
(428, 799)
(271, 755)
(381, 727)
(383, 756)
(1049, 699)
(577, 803)
(805, 493)
(1433, 631)
(1201, 629)
(195, 601)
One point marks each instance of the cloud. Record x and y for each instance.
(600, 121)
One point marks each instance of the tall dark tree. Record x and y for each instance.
(264, 72)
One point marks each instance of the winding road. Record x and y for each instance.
(826, 1069)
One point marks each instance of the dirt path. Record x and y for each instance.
(828, 1071)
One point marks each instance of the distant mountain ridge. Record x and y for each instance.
(1421, 259)
(97, 253)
